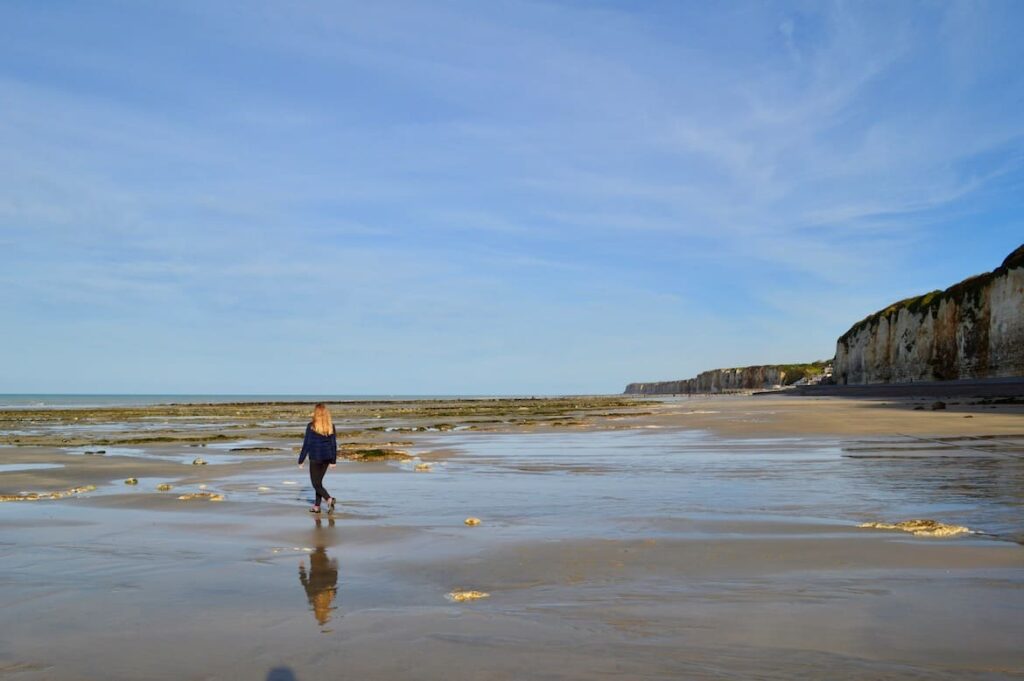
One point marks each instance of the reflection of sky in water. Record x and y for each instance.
(289, 487)
(235, 444)
(148, 485)
(17, 467)
(134, 427)
(118, 427)
(107, 451)
(577, 478)
(179, 457)
(560, 483)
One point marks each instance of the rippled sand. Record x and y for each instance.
(696, 540)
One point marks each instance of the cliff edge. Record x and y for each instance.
(974, 329)
(970, 331)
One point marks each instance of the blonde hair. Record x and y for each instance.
(322, 606)
(322, 420)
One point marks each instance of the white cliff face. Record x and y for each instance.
(974, 329)
(1006, 324)
(716, 381)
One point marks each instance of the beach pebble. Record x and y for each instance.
(472, 521)
(198, 462)
(131, 481)
(921, 528)
(460, 596)
(939, 405)
(163, 487)
(423, 467)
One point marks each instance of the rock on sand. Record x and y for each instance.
(209, 496)
(37, 496)
(921, 528)
(460, 596)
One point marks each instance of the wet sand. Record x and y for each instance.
(787, 415)
(699, 539)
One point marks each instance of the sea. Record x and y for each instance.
(91, 401)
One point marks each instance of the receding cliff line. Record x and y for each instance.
(974, 329)
(971, 330)
(732, 380)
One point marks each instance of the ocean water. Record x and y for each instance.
(68, 400)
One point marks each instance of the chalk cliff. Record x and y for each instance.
(730, 380)
(974, 329)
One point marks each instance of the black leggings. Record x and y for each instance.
(316, 476)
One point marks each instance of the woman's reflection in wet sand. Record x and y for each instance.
(321, 580)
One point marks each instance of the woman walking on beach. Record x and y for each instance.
(321, 446)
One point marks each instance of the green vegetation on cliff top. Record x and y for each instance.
(810, 368)
(930, 302)
(793, 372)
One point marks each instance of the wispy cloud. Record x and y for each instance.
(477, 193)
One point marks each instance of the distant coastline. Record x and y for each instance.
(97, 400)
(971, 331)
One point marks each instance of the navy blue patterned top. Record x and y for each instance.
(319, 448)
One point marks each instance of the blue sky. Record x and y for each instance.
(486, 197)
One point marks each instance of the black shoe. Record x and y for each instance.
(330, 509)
(315, 509)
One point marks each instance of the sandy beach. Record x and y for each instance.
(696, 538)
(620, 341)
